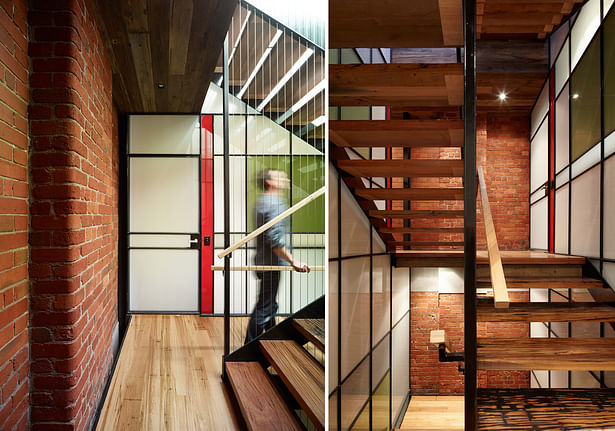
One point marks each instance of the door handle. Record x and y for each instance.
(194, 241)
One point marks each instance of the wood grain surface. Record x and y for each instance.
(313, 330)
(548, 312)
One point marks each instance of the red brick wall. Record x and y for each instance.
(14, 366)
(431, 310)
(74, 219)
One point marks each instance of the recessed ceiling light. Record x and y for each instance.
(575, 96)
(502, 96)
(160, 85)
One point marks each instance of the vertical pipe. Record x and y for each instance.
(227, 221)
(469, 208)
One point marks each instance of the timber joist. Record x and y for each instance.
(402, 168)
(419, 194)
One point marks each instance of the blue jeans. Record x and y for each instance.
(263, 316)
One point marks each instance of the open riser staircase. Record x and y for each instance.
(278, 378)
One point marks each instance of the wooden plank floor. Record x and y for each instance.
(541, 410)
(168, 377)
(434, 413)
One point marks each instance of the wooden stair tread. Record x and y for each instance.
(443, 230)
(302, 375)
(425, 243)
(416, 214)
(262, 407)
(530, 257)
(545, 409)
(429, 194)
(579, 354)
(313, 330)
(402, 168)
(547, 312)
(546, 283)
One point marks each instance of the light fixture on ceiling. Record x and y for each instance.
(575, 96)
(502, 96)
(160, 85)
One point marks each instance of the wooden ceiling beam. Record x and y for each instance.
(422, 194)
(402, 168)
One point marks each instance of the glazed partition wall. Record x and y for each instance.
(572, 168)
(368, 321)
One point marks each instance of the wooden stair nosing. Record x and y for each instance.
(546, 283)
(548, 312)
(262, 407)
(313, 330)
(302, 375)
(402, 168)
(576, 354)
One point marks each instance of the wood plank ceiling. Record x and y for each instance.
(162, 43)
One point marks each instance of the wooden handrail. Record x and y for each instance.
(498, 282)
(272, 222)
(263, 268)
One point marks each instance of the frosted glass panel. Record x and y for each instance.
(164, 195)
(562, 68)
(538, 225)
(584, 29)
(355, 226)
(355, 391)
(333, 212)
(237, 134)
(585, 214)
(538, 155)
(355, 312)
(381, 297)
(332, 327)
(377, 243)
(609, 208)
(541, 108)
(164, 280)
(164, 134)
(267, 137)
(608, 272)
(562, 178)
(237, 194)
(609, 145)
(561, 220)
(307, 287)
(400, 292)
(401, 364)
(380, 361)
(540, 379)
(607, 5)
(587, 160)
(562, 130)
(159, 241)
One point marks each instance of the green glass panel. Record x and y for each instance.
(380, 405)
(307, 176)
(362, 422)
(585, 89)
(609, 74)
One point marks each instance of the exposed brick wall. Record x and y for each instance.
(433, 310)
(74, 189)
(14, 365)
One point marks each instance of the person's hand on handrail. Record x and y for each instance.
(300, 266)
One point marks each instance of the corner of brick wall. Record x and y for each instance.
(74, 232)
(14, 364)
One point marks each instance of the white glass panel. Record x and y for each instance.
(539, 295)
(237, 194)
(381, 297)
(539, 157)
(562, 68)
(307, 287)
(379, 113)
(609, 208)
(557, 40)
(213, 100)
(237, 134)
(218, 292)
(355, 226)
(355, 312)
(562, 178)
(164, 134)
(584, 29)
(332, 327)
(608, 272)
(586, 329)
(401, 292)
(561, 220)
(562, 130)
(267, 137)
(609, 145)
(540, 379)
(355, 392)
(585, 214)
(559, 379)
(303, 148)
(164, 280)
(538, 330)
(159, 241)
(607, 6)
(380, 362)
(377, 243)
(583, 379)
(540, 109)
(164, 195)
(333, 212)
(238, 283)
(538, 225)
(587, 160)
(537, 195)
(400, 372)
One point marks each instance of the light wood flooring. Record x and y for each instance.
(433, 413)
(168, 377)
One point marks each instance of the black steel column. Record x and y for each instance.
(469, 209)
(227, 223)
